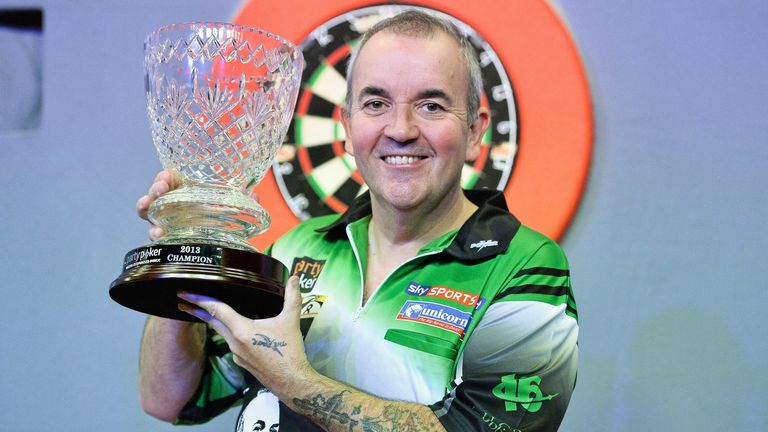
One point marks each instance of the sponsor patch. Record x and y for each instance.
(450, 294)
(435, 315)
(310, 308)
(482, 244)
(311, 304)
(308, 270)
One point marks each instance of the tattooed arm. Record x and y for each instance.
(337, 407)
(273, 351)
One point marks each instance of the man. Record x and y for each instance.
(427, 308)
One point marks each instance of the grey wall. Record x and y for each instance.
(667, 248)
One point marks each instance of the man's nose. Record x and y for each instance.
(402, 126)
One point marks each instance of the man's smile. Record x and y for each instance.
(402, 160)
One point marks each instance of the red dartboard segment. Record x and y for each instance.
(551, 96)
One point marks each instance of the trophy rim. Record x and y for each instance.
(193, 25)
(161, 51)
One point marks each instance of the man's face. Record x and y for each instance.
(408, 124)
(261, 414)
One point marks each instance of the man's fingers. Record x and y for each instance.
(211, 311)
(158, 188)
(142, 209)
(170, 177)
(164, 182)
(142, 206)
(155, 232)
(292, 300)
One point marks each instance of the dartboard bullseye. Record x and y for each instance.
(315, 175)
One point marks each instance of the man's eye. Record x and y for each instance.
(374, 104)
(432, 107)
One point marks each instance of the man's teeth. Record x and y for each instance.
(400, 160)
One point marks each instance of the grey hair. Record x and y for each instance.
(416, 23)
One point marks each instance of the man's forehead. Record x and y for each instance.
(386, 50)
(406, 37)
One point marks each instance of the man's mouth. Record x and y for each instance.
(402, 160)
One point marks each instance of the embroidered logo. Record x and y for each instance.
(308, 270)
(523, 391)
(435, 315)
(482, 244)
(450, 294)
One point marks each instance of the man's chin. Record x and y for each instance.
(402, 198)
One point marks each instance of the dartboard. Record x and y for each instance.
(315, 175)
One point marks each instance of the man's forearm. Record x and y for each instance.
(170, 365)
(337, 407)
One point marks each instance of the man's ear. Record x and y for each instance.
(476, 131)
(345, 123)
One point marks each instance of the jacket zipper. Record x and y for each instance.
(361, 307)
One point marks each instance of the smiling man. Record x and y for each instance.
(430, 308)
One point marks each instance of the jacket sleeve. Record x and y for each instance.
(518, 367)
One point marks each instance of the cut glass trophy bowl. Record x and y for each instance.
(220, 98)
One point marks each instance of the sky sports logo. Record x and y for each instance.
(435, 315)
(450, 294)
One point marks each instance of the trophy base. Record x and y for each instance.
(250, 282)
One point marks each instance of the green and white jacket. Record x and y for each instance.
(481, 325)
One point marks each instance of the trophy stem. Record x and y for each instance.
(208, 214)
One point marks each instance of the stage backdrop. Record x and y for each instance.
(639, 128)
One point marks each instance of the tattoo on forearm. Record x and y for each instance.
(266, 341)
(327, 411)
(330, 411)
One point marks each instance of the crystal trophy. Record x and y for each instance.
(220, 98)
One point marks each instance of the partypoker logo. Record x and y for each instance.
(308, 270)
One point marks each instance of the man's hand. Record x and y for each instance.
(270, 349)
(164, 182)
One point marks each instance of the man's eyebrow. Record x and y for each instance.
(430, 93)
(373, 91)
(435, 93)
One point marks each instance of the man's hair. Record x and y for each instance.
(416, 23)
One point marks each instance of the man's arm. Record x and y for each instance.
(273, 351)
(518, 367)
(338, 407)
(172, 352)
(170, 365)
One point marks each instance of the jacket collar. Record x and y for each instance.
(487, 233)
